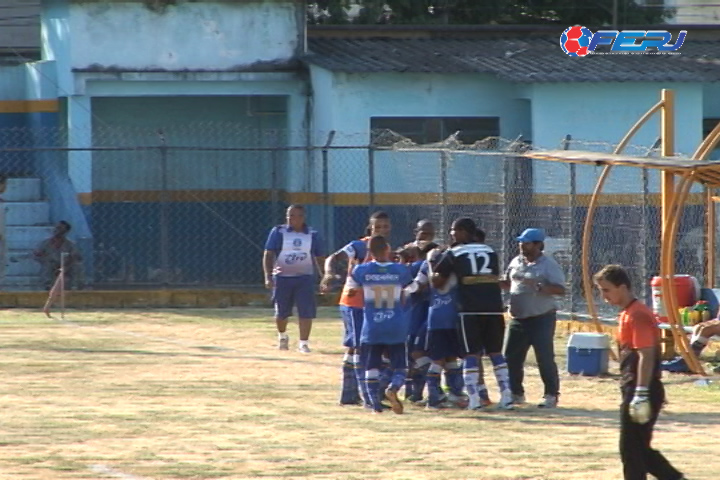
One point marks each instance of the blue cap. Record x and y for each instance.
(532, 235)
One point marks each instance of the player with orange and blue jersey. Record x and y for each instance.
(356, 253)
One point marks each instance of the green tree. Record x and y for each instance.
(479, 12)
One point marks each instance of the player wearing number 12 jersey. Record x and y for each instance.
(385, 323)
(482, 323)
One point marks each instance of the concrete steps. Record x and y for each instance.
(26, 224)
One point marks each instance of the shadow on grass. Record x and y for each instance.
(573, 417)
(231, 354)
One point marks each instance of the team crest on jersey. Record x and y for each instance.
(297, 243)
(293, 258)
(380, 317)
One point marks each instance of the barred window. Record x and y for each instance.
(708, 125)
(424, 130)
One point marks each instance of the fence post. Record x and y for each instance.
(506, 182)
(645, 234)
(164, 217)
(274, 193)
(574, 250)
(327, 216)
(371, 179)
(444, 162)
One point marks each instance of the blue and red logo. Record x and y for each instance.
(575, 41)
(579, 41)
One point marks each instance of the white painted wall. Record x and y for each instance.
(202, 35)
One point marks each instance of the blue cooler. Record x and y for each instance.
(588, 354)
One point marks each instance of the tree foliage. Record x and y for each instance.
(482, 12)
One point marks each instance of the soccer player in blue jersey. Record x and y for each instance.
(482, 322)
(442, 342)
(385, 324)
(419, 302)
(416, 305)
(351, 306)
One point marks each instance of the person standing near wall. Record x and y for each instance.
(49, 254)
(643, 394)
(533, 279)
(291, 262)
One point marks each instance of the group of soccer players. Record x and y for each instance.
(417, 313)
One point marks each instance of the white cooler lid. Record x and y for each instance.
(589, 340)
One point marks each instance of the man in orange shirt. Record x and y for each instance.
(643, 394)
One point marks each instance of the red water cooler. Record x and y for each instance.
(686, 287)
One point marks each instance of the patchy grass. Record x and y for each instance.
(204, 394)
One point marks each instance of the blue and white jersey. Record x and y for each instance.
(385, 319)
(357, 250)
(295, 251)
(442, 311)
(418, 302)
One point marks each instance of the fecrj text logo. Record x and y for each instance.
(579, 41)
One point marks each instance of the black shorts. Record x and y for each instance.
(481, 333)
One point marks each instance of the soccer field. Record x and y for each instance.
(203, 394)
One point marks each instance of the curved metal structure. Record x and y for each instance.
(669, 239)
(590, 217)
(674, 197)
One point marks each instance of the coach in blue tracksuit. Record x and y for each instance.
(291, 262)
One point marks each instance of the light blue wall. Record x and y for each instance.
(41, 80)
(597, 115)
(346, 102)
(12, 82)
(172, 90)
(711, 100)
(219, 121)
(55, 33)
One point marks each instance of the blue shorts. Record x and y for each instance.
(289, 292)
(443, 343)
(397, 353)
(352, 318)
(417, 342)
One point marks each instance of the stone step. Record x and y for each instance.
(23, 190)
(23, 237)
(21, 262)
(27, 213)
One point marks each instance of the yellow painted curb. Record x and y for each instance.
(186, 298)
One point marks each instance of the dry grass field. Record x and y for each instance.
(204, 394)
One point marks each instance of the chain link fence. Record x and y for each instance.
(192, 205)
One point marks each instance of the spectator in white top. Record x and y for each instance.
(291, 262)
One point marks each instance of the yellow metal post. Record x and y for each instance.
(710, 247)
(667, 127)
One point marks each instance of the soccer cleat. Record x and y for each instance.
(548, 401)
(474, 403)
(395, 404)
(676, 365)
(518, 399)
(459, 401)
(304, 348)
(284, 344)
(506, 401)
(436, 407)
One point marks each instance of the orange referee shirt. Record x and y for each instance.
(637, 329)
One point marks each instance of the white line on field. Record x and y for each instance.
(112, 473)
